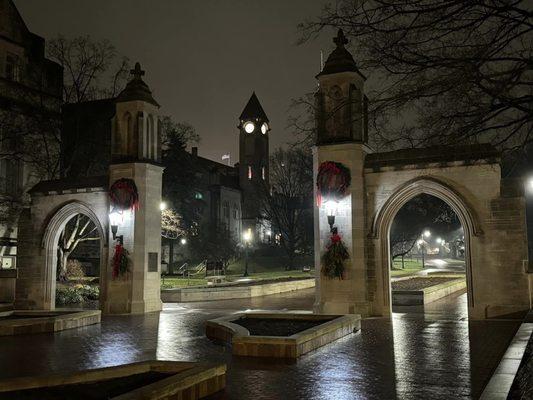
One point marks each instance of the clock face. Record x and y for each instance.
(249, 127)
(264, 128)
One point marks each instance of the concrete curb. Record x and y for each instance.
(427, 295)
(243, 343)
(183, 295)
(502, 379)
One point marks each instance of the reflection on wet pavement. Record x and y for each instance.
(415, 355)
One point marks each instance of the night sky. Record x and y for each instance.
(202, 58)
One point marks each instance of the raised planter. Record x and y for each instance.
(23, 322)
(326, 329)
(236, 291)
(143, 380)
(428, 294)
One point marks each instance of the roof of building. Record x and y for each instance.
(137, 89)
(340, 59)
(227, 175)
(253, 110)
(60, 185)
(433, 154)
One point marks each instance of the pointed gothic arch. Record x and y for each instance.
(50, 237)
(385, 215)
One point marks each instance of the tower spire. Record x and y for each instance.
(340, 40)
(137, 72)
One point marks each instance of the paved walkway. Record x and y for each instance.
(433, 355)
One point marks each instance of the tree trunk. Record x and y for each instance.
(63, 259)
(171, 257)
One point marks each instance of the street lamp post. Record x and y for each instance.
(425, 234)
(247, 237)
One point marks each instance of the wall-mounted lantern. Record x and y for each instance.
(115, 219)
(331, 212)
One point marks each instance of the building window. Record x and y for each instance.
(13, 67)
(235, 212)
(198, 196)
(263, 173)
(249, 172)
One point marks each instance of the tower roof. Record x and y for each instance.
(137, 89)
(340, 59)
(253, 110)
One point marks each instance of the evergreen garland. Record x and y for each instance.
(120, 261)
(335, 256)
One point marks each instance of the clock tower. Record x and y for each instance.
(253, 161)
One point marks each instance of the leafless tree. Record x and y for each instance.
(79, 229)
(92, 69)
(441, 71)
(287, 203)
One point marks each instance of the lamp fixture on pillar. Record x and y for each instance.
(115, 219)
(331, 211)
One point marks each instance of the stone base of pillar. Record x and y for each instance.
(136, 307)
(342, 307)
(140, 307)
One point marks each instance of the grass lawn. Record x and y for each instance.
(176, 282)
(410, 266)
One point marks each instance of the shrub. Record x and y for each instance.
(90, 292)
(75, 269)
(76, 294)
(68, 295)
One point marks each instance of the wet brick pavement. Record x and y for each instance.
(436, 354)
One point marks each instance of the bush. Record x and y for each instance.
(75, 270)
(68, 295)
(90, 292)
(76, 294)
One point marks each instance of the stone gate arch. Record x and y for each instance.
(53, 204)
(384, 217)
(50, 238)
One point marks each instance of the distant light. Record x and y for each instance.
(427, 233)
(419, 242)
(439, 240)
(162, 206)
(268, 232)
(247, 235)
(183, 241)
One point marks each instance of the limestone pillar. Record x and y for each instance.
(348, 295)
(138, 291)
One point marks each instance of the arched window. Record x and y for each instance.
(337, 110)
(151, 138)
(123, 136)
(235, 211)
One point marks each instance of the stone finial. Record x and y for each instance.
(137, 72)
(340, 40)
